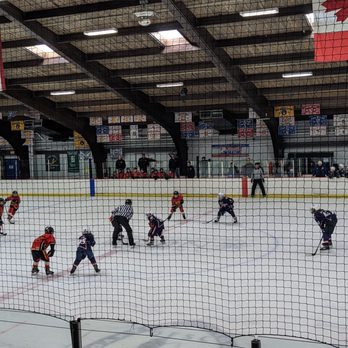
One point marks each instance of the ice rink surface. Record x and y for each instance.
(257, 276)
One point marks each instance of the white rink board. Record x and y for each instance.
(257, 276)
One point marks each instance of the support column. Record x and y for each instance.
(75, 330)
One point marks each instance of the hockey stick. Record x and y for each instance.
(208, 222)
(316, 250)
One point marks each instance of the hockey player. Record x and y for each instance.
(85, 249)
(226, 206)
(2, 206)
(177, 202)
(14, 205)
(38, 250)
(120, 217)
(156, 229)
(327, 221)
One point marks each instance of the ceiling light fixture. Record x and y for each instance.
(262, 12)
(169, 84)
(100, 32)
(297, 74)
(62, 93)
(144, 17)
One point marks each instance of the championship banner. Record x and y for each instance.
(317, 131)
(95, 121)
(73, 162)
(230, 150)
(79, 142)
(183, 117)
(310, 109)
(114, 130)
(102, 138)
(52, 161)
(284, 111)
(153, 132)
(341, 131)
(330, 30)
(17, 125)
(134, 131)
(245, 128)
(188, 130)
(286, 121)
(114, 119)
(28, 135)
(115, 138)
(139, 118)
(286, 130)
(261, 129)
(205, 130)
(318, 121)
(127, 119)
(340, 120)
(102, 130)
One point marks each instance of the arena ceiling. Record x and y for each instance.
(226, 61)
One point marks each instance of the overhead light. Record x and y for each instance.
(297, 74)
(262, 12)
(43, 51)
(62, 92)
(169, 84)
(144, 17)
(173, 41)
(101, 32)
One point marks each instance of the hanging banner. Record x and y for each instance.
(153, 132)
(286, 121)
(115, 153)
(317, 131)
(284, 111)
(17, 125)
(52, 161)
(114, 119)
(102, 130)
(252, 113)
(310, 109)
(187, 129)
(205, 130)
(28, 135)
(102, 138)
(286, 130)
(115, 130)
(95, 121)
(318, 121)
(245, 128)
(139, 118)
(261, 129)
(127, 119)
(73, 162)
(183, 117)
(340, 120)
(341, 131)
(230, 150)
(115, 138)
(79, 142)
(330, 30)
(134, 131)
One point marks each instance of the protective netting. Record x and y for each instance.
(238, 106)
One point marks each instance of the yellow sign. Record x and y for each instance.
(79, 142)
(284, 111)
(17, 125)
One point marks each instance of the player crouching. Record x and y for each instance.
(38, 250)
(85, 249)
(156, 229)
(177, 202)
(327, 221)
(2, 206)
(226, 206)
(15, 200)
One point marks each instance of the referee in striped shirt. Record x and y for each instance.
(120, 217)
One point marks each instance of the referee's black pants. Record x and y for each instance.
(118, 222)
(262, 187)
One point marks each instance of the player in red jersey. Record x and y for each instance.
(177, 202)
(14, 205)
(38, 250)
(2, 206)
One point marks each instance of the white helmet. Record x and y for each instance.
(314, 208)
(332, 169)
(221, 195)
(320, 163)
(341, 166)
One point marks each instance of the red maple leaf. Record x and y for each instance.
(340, 6)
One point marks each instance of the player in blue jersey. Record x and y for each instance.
(156, 229)
(86, 242)
(226, 205)
(327, 221)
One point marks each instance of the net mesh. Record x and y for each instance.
(198, 97)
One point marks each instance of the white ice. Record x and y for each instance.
(254, 277)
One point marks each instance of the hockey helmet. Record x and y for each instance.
(128, 202)
(320, 163)
(49, 230)
(149, 216)
(176, 193)
(221, 195)
(15, 193)
(332, 169)
(86, 231)
(341, 166)
(2, 201)
(315, 208)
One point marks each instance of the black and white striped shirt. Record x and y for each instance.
(123, 210)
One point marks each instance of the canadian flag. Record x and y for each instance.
(330, 30)
(2, 74)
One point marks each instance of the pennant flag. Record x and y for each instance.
(79, 142)
(330, 30)
(2, 73)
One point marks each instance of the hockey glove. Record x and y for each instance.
(50, 253)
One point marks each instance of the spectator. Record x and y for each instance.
(135, 173)
(332, 173)
(161, 174)
(190, 170)
(128, 174)
(172, 163)
(319, 170)
(143, 174)
(341, 171)
(154, 173)
(257, 178)
(171, 175)
(120, 164)
(287, 167)
(233, 170)
(277, 167)
(144, 162)
(121, 174)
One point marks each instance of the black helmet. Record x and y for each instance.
(175, 192)
(86, 231)
(2, 201)
(128, 201)
(49, 229)
(15, 192)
